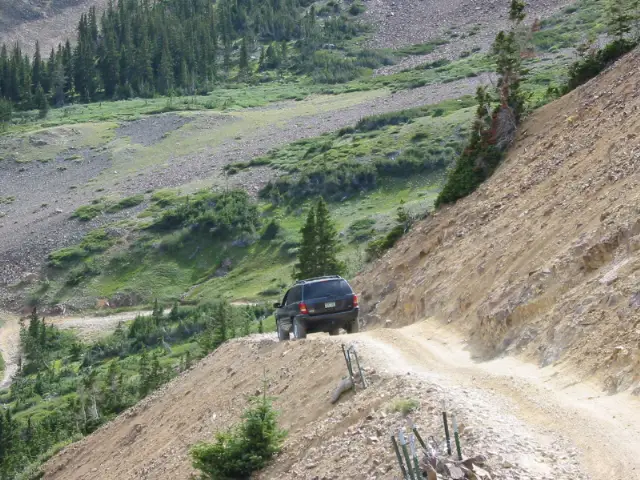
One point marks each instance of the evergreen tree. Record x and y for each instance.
(243, 63)
(174, 315)
(157, 312)
(42, 102)
(6, 113)
(318, 253)
(327, 241)
(619, 18)
(306, 266)
(143, 372)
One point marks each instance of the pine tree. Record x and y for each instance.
(42, 102)
(156, 374)
(243, 63)
(37, 71)
(619, 18)
(6, 113)
(306, 266)
(174, 315)
(143, 373)
(246, 323)
(157, 313)
(165, 77)
(328, 244)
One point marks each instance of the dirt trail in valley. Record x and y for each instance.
(91, 327)
(605, 429)
(9, 342)
(88, 328)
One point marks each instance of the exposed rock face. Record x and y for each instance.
(544, 258)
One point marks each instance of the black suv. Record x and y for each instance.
(323, 304)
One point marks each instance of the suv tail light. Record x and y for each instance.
(355, 301)
(303, 308)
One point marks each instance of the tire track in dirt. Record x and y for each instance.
(605, 430)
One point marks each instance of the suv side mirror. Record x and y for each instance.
(276, 305)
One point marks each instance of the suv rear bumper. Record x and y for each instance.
(329, 321)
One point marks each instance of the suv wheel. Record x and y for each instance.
(283, 333)
(335, 331)
(299, 329)
(353, 326)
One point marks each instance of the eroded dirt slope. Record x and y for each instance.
(499, 414)
(544, 259)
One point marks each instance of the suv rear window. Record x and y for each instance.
(330, 288)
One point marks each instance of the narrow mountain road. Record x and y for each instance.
(9, 344)
(598, 432)
(88, 328)
(92, 327)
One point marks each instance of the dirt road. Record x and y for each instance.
(9, 342)
(601, 432)
(87, 328)
(90, 328)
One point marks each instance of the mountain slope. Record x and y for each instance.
(543, 259)
(26, 21)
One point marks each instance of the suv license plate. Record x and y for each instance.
(330, 305)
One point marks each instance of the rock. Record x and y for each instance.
(454, 472)
(387, 323)
(481, 473)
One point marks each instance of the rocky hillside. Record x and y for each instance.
(544, 259)
(51, 22)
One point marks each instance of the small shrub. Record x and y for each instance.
(125, 203)
(596, 61)
(357, 8)
(329, 181)
(271, 230)
(164, 198)
(239, 452)
(65, 256)
(405, 405)
(87, 212)
(361, 229)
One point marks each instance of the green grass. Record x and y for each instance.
(571, 26)
(405, 406)
(103, 205)
(39, 142)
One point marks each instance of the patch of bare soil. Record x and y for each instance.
(150, 130)
(543, 260)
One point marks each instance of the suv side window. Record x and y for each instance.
(294, 296)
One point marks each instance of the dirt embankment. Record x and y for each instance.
(528, 423)
(544, 259)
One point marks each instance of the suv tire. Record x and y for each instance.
(334, 332)
(283, 334)
(299, 329)
(353, 326)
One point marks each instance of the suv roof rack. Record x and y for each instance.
(326, 277)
